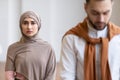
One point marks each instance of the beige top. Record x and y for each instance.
(34, 59)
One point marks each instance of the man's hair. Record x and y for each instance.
(87, 1)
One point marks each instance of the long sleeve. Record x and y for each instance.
(68, 59)
(51, 66)
(9, 66)
(114, 57)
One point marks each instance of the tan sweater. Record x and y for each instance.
(34, 59)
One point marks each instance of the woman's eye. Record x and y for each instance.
(28, 23)
(25, 22)
(33, 22)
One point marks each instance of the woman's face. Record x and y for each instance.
(29, 27)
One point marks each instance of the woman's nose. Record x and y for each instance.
(29, 26)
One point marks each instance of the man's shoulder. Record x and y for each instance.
(116, 39)
(114, 26)
(70, 36)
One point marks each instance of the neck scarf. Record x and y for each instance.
(81, 30)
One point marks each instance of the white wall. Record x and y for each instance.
(116, 12)
(66, 14)
(57, 17)
(9, 30)
(14, 10)
(3, 27)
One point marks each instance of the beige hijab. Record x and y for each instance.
(33, 15)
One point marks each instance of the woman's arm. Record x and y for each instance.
(9, 65)
(51, 67)
(9, 75)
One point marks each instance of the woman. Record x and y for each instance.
(30, 58)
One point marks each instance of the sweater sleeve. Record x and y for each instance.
(9, 66)
(51, 66)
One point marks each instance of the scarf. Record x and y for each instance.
(81, 30)
(36, 18)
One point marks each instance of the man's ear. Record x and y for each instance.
(112, 3)
(85, 7)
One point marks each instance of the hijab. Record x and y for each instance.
(36, 18)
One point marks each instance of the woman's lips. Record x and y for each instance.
(29, 32)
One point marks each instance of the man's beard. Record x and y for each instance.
(96, 25)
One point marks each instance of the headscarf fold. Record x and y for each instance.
(33, 15)
(81, 30)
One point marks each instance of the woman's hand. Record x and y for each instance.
(19, 76)
(9, 75)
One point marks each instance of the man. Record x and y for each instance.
(91, 50)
